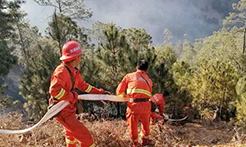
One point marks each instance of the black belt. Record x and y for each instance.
(139, 100)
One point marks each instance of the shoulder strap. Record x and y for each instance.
(145, 81)
(71, 77)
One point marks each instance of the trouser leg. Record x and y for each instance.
(145, 129)
(145, 123)
(75, 128)
(132, 121)
(70, 140)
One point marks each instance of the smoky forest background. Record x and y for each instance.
(207, 74)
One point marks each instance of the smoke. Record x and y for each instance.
(196, 18)
(37, 15)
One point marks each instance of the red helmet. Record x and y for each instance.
(70, 51)
(186, 108)
(158, 99)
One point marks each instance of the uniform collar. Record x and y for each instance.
(141, 71)
(73, 69)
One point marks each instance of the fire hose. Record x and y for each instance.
(166, 117)
(61, 105)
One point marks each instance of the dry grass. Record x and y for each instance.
(115, 134)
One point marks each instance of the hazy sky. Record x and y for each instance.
(196, 19)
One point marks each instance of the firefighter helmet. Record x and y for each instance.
(158, 99)
(70, 51)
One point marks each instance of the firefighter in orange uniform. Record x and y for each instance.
(64, 80)
(158, 102)
(138, 87)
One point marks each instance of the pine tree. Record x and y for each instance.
(180, 91)
(112, 55)
(140, 49)
(238, 16)
(74, 9)
(36, 78)
(212, 77)
(213, 86)
(7, 59)
(7, 22)
(119, 51)
(241, 102)
(63, 28)
(45, 57)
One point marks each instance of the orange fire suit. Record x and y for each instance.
(137, 85)
(60, 89)
(158, 100)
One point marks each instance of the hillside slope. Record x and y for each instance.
(115, 134)
(12, 81)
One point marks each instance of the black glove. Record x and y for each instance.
(79, 105)
(53, 102)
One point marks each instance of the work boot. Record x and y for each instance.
(146, 141)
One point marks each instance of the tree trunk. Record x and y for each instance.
(244, 40)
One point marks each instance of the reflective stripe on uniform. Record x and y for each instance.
(122, 94)
(93, 145)
(134, 140)
(70, 141)
(60, 94)
(88, 88)
(142, 91)
(143, 136)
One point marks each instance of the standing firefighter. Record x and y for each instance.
(138, 87)
(64, 80)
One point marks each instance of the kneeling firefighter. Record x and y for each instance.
(158, 102)
(64, 80)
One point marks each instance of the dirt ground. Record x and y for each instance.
(114, 133)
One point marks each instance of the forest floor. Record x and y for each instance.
(114, 133)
